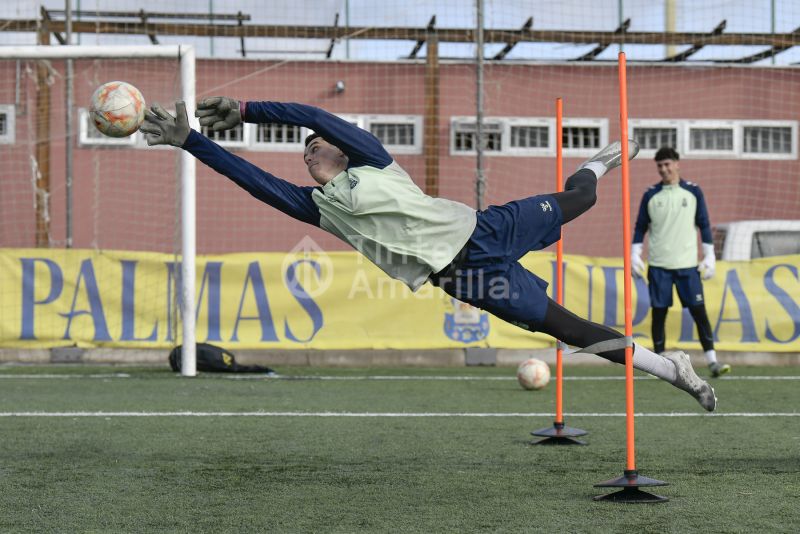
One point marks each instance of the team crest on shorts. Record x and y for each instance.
(466, 323)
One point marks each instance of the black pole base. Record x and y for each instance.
(559, 435)
(630, 483)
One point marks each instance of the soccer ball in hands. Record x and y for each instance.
(533, 374)
(117, 109)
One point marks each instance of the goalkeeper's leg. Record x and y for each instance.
(580, 194)
(674, 367)
(580, 190)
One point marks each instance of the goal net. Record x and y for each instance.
(80, 212)
(717, 83)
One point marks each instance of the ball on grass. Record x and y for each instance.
(533, 374)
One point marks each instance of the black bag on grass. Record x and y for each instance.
(213, 359)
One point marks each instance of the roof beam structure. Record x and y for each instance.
(502, 53)
(153, 15)
(777, 41)
(151, 35)
(596, 51)
(47, 23)
(761, 55)
(682, 56)
(333, 41)
(431, 27)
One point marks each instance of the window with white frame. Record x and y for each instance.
(393, 133)
(529, 136)
(581, 137)
(237, 137)
(465, 134)
(584, 137)
(7, 126)
(655, 138)
(89, 135)
(279, 137)
(400, 134)
(769, 139)
(712, 138)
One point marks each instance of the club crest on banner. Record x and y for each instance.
(466, 323)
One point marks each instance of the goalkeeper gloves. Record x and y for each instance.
(709, 262)
(637, 264)
(219, 113)
(161, 128)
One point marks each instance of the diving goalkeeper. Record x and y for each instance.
(366, 199)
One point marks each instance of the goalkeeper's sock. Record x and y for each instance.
(596, 167)
(655, 364)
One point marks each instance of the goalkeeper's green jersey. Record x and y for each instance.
(385, 216)
(373, 205)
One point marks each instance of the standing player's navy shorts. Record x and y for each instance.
(660, 282)
(487, 273)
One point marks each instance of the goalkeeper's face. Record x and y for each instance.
(323, 160)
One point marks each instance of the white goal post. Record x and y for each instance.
(186, 55)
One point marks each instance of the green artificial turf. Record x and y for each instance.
(297, 470)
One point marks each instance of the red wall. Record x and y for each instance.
(126, 198)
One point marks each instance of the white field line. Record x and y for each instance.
(382, 414)
(373, 377)
(77, 375)
(466, 378)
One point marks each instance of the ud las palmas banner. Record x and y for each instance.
(339, 300)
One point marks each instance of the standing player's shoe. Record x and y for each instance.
(718, 369)
(611, 156)
(687, 380)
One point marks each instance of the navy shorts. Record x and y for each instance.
(660, 282)
(488, 275)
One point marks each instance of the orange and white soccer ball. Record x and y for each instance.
(117, 109)
(533, 374)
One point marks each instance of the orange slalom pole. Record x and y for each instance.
(559, 260)
(626, 236)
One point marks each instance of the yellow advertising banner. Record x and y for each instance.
(339, 300)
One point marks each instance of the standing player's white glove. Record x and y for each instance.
(709, 262)
(219, 113)
(637, 264)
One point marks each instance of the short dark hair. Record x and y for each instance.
(311, 137)
(667, 152)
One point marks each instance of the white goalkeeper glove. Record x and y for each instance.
(219, 113)
(637, 264)
(709, 262)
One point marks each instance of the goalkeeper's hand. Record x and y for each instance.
(637, 264)
(218, 113)
(709, 263)
(161, 128)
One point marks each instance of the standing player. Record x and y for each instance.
(366, 199)
(672, 211)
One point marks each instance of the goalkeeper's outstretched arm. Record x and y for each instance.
(161, 128)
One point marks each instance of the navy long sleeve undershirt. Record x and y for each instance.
(291, 199)
(361, 147)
